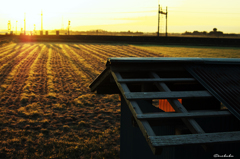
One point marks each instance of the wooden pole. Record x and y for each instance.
(41, 21)
(158, 19)
(166, 21)
(16, 27)
(24, 23)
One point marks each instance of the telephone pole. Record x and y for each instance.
(34, 32)
(62, 24)
(68, 26)
(161, 12)
(166, 21)
(9, 27)
(158, 19)
(41, 21)
(16, 27)
(24, 23)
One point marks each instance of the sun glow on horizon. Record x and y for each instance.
(134, 15)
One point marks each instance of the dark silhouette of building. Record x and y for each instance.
(215, 32)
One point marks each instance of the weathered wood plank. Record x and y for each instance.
(192, 125)
(157, 80)
(133, 105)
(135, 109)
(190, 139)
(100, 79)
(195, 114)
(167, 95)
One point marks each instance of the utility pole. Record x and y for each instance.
(9, 27)
(161, 12)
(34, 32)
(166, 21)
(62, 24)
(158, 19)
(68, 26)
(16, 27)
(41, 21)
(24, 23)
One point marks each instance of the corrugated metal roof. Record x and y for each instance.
(185, 60)
(222, 81)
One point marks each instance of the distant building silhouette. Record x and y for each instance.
(215, 32)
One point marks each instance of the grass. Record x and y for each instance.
(192, 51)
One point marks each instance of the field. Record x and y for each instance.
(46, 107)
(193, 51)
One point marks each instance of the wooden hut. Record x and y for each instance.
(203, 92)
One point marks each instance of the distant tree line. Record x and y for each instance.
(211, 33)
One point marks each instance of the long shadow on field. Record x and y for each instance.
(90, 75)
(14, 47)
(7, 68)
(57, 46)
(74, 47)
(48, 46)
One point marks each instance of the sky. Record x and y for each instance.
(124, 15)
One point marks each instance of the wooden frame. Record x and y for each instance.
(154, 67)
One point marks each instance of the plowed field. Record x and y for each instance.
(46, 107)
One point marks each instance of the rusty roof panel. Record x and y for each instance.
(222, 81)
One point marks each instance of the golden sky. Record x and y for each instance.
(124, 15)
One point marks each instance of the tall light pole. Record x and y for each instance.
(41, 21)
(34, 29)
(9, 27)
(24, 23)
(158, 19)
(62, 24)
(68, 26)
(16, 27)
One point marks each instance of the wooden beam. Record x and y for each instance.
(135, 109)
(195, 114)
(190, 139)
(191, 124)
(100, 79)
(167, 95)
(157, 80)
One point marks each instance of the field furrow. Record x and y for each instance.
(6, 68)
(8, 47)
(77, 74)
(94, 61)
(100, 49)
(119, 51)
(81, 63)
(62, 78)
(144, 52)
(65, 76)
(35, 84)
(85, 49)
(56, 69)
(125, 49)
(9, 56)
(19, 74)
(110, 51)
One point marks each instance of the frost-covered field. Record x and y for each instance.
(46, 107)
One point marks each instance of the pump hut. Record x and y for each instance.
(201, 119)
